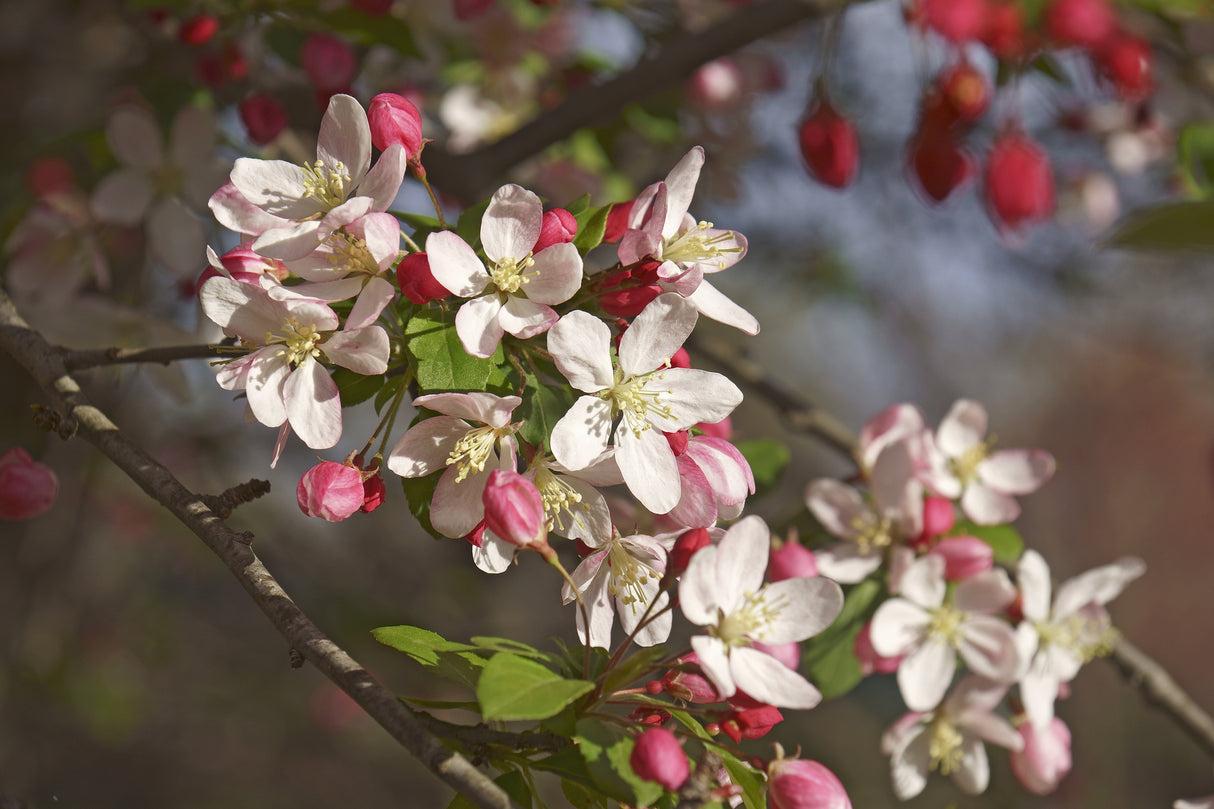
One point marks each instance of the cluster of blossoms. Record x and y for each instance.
(599, 393)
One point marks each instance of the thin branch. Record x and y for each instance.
(226, 502)
(78, 360)
(45, 364)
(1159, 689)
(698, 790)
(473, 174)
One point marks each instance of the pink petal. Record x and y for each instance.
(985, 506)
(558, 274)
(376, 295)
(697, 507)
(477, 406)
(512, 223)
(768, 680)
(383, 181)
(525, 319)
(345, 137)
(691, 395)
(698, 588)
(656, 333)
(364, 351)
(455, 265)
(426, 446)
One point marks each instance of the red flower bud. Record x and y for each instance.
(802, 784)
(628, 302)
(955, 20)
(792, 560)
(27, 488)
(263, 117)
(938, 164)
(658, 756)
(753, 721)
(331, 491)
(829, 146)
(1084, 23)
(1126, 61)
(49, 176)
(687, 682)
(680, 359)
(617, 221)
(329, 63)
(514, 509)
(1019, 181)
(1004, 31)
(939, 516)
(416, 282)
(374, 492)
(198, 30)
(966, 90)
(688, 542)
(471, 9)
(394, 119)
(557, 227)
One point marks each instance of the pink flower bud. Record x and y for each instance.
(1004, 31)
(27, 488)
(49, 176)
(198, 30)
(558, 227)
(787, 653)
(678, 441)
(331, 491)
(1046, 757)
(792, 560)
(749, 719)
(722, 429)
(329, 62)
(1019, 181)
(417, 282)
(1126, 61)
(870, 661)
(374, 492)
(617, 221)
(688, 683)
(939, 516)
(938, 163)
(628, 302)
(964, 556)
(1085, 23)
(966, 91)
(514, 509)
(955, 20)
(658, 756)
(829, 146)
(394, 119)
(680, 359)
(263, 117)
(802, 784)
(685, 547)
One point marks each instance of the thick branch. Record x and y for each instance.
(471, 175)
(1139, 671)
(77, 360)
(44, 363)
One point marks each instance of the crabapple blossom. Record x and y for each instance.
(291, 209)
(930, 633)
(660, 227)
(714, 479)
(27, 488)
(723, 590)
(467, 454)
(331, 491)
(572, 503)
(895, 517)
(962, 465)
(284, 379)
(651, 399)
(964, 556)
(514, 292)
(623, 575)
(870, 661)
(1055, 641)
(898, 422)
(1045, 758)
(950, 740)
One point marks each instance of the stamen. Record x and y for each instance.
(756, 613)
(299, 341)
(559, 497)
(695, 247)
(946, 623)
(965, 466)
(945, 746)
(327, 185)
(508, 275)
(472, 450)
(627, 576)
(635, 399)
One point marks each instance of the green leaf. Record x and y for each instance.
(632, 667)
(442, 362)
(1195, 157)
(422, 225)
(419, 492)
(1004, 540)
(386, 393)
(581, 797)
(567, 763)
(1187, 226)
(578, 207)
(513, 646)
(468, 227)
(768, 459)
(746, 778)
(543, 406)
(364, 30)
(457, 662)
(829, 659)
(356, 388)
(513, 687)
(590, 229)
(606, 749)
(513, 783)
(445, 704)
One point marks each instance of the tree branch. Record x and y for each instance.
(473, 174)
(44, 362)
(1139, 671)
(78, 360)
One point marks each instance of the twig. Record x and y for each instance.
(1159, 689)
(471, 175)
(78, 360)
(698, 789)
(226, 502)
(45, 364)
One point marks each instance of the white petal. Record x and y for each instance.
(846, 563)
(455, 265)
(987, 592)
(590, 520)
(313, 405)
(580, 344)
(715, 305)
(275, 186)
(974, 772)
(494, 555)
(768, 680)
(457, 507)
(373, 299)
(525, 319)
(582, 433)
(364, 351)
(837, 506)
(692, 396)
(264, 385)
(964, 427)
(1033, 576)
(648, 465)
(1097, 586)
(345, 137)
(715, 663)
(988, 646)
(656, 333)
(292, 242)
(985, 506)
(512, 223)
(477, 325)
(478, 406)
(242, 309)
(698, 588)
(807, 606)
(923, 582)
(122, 197)
(426, 446)
(1038, 690)
(558, 274)
(897, 627)
(742, 562)
(383, 181)
(134, 138)
(910, 765)
(926, 673)
(176, 237)
(680, 188)
(1017, 471)
(236, 213)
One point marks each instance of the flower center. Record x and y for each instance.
(508, 275)
(965, 465)
(327, 185)
(299, 341)
(352, 253)
(872, 533)
(472, 450)
(945, 746)
(559, 497)
(1087, 638)
(755, 614)
(627, 576)
(697, 247)
(634, 398)
(946, 623)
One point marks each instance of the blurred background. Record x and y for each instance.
(133, 671)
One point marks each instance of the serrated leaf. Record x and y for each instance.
(1004, 540)
(442, 362)
(590, 230)
(606, 749)
(1187, 226)
(768, 459)
(457, 662)
(513, 687)
(512, 783)
(543, 406)
(356, 388)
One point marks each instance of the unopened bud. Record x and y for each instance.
(27, 488)
(395, 120)
(802, 784)
(658, 756)
(417, 282)
(1019, 181)
(829, 146)
(557, 227)
(263, 117)
(330, 491)
(329, 62)
(688, 683)
(792, 560)
(617, 221)
(1046, 757)
(684, 548)
(514, 509)
(964, 557)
